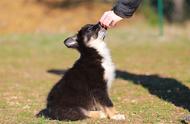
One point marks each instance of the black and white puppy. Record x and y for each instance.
(83, 91)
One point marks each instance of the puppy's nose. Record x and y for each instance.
(101, 26)
(97, 26)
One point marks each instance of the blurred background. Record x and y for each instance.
(68, 15)
(151, 51)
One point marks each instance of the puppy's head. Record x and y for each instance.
(86, 34)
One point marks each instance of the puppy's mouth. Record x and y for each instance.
(101, 31)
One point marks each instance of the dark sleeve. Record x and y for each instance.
(126, 8)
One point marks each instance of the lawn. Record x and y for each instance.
(152, 84)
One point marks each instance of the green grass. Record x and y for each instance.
(153, 79)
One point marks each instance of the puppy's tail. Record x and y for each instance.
(43, 113)
(68, 114)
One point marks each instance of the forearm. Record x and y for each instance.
(126, 8)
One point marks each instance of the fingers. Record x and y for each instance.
(106, 20)
(113, 23)
(109, 19)
(103, 17)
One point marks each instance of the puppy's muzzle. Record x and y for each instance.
(101, 31)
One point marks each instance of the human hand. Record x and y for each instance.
(109, 19)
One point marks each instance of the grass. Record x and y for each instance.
(152, 84)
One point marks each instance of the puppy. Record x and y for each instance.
(83, 91)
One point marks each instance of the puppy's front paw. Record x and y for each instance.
(118, 117)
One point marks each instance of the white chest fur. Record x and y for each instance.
(107, 64)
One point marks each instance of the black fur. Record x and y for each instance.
(83, 86)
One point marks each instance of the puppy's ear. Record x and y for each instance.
(71, 42)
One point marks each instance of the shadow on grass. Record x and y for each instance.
(168, 89)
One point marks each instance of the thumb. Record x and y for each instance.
(113, 23)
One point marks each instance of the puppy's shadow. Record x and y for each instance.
(167, 89)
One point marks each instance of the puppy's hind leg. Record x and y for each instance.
(94, 114)
(107, 105)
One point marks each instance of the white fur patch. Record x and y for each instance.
(107, 64)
